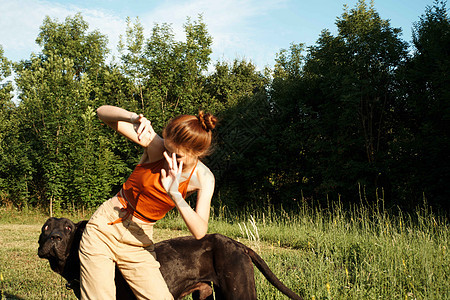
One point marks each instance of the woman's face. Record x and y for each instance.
(187, 159)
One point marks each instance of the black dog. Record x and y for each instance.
(187, 265)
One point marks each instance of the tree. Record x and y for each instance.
(168, 73)
(58, 90)
(133, 57)
(5, 72)
(424, 145)
(238, 92)
(14, 163)
(338, 103)
(230, 84)
(294, 173)
(70, 40)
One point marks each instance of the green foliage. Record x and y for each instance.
(289, 64)
(425, 116)
(50, 116)
(231, 83)
(352, 77)
(167, 73)
(15, 166)
(239, 93)
(58, 123)
(5, 86)
(336, 107)
(69, 40)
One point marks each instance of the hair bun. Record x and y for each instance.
(208, 121)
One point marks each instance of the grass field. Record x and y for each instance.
(352, 253)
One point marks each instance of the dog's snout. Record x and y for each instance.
(56, 236)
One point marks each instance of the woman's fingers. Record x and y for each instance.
(168, 159)
(173, 164)
(177, 168)
(143, 127)
(171, 177)
(143, 124)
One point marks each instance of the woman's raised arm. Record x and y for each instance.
(131, 125)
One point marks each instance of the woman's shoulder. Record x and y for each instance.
(154, 151)
(203, 172)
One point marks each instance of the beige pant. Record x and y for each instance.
(129, 246)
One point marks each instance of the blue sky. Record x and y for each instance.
(248, 29)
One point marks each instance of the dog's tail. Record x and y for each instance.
(271, 277)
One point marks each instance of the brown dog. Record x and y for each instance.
(187, 265)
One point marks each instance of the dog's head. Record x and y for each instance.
(55, 241)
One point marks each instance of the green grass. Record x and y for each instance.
(358, 252)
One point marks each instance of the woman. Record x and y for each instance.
(120, 232)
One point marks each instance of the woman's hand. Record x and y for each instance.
(143, 128)
(171, 179)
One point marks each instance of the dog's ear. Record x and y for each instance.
(81, 225)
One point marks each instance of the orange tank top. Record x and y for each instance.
(143, 194)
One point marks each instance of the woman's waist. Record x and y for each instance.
(117, 204)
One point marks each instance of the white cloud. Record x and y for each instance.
(20, 23)
(229, 22)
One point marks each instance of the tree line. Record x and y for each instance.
(359, 115)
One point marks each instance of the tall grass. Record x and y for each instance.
(354, 252)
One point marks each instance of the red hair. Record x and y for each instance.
(190, 133)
